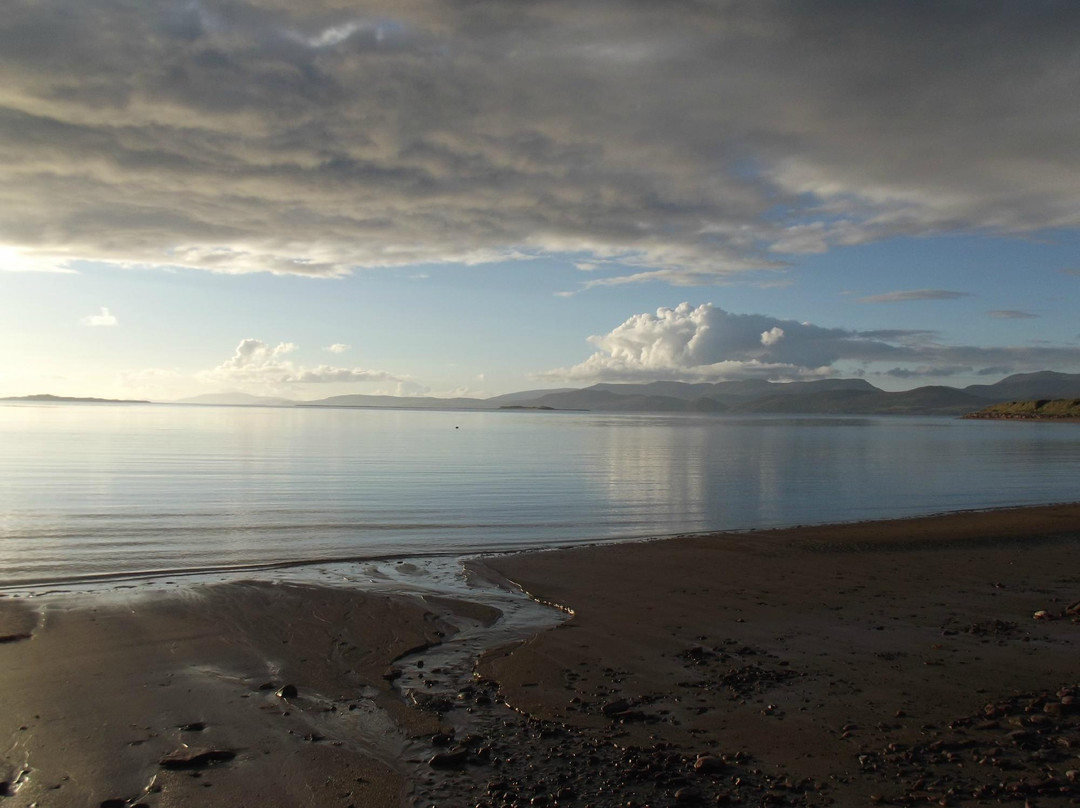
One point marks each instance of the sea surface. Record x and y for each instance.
(91, 490)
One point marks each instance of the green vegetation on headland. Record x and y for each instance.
(1042, 410)
(47, 398)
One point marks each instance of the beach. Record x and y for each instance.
(918, 661)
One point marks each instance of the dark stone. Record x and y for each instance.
(195, 758)
(194, 726)
(286, 692)
(687, 796)
(708, 764)
(449, 760)
(615, 707)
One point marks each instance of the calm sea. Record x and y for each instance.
(109, 489)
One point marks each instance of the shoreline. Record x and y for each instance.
(1037, 419)
(89, 583)
(812, 665)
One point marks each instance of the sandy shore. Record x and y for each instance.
(173, 700)
(895, 662)
(882, 662)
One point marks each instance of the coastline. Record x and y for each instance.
(813, 665)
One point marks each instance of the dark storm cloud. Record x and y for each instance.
(689, 139)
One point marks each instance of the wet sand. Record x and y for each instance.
(172, 700)
(897, 662)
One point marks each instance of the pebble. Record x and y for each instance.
(687, 795)
(195, 758)
(708, 764)
(442, 739)
(449, 760)
(615, 707)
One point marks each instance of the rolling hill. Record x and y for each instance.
(823, 396)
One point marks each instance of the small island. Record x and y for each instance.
(1058, 409)
(49, 398)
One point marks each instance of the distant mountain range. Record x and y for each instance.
(48, 398)
(826, 396)
(238, 400)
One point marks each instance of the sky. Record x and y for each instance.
(473, 197)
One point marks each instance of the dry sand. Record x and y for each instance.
(844, 664)
(882, 662)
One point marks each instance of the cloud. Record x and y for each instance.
(899, 334)
(691, 142)
(928, 372)
(913, 294)
(255, 362)
(1012, 314)
(706, 343)
(337, 347)
(103, 318)
(772, 336)
(21, 260)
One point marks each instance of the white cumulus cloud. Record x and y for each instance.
(772, 336)
(255, 362)
(337, 347)
(706, 343)
(104, 318)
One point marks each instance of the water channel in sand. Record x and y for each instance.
(498, 613)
